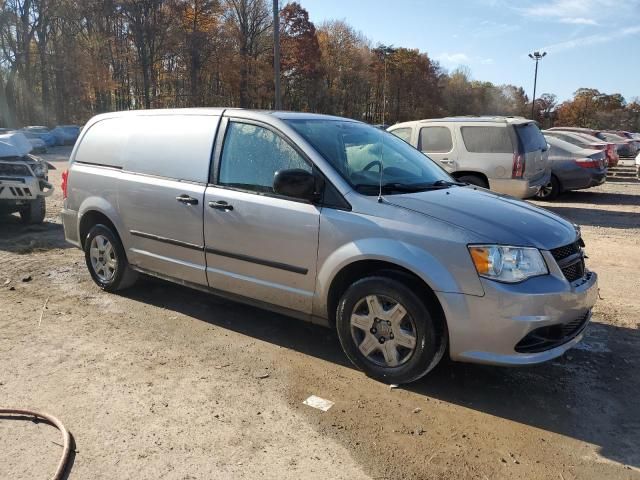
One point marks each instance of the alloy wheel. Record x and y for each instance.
(383, 330)
(546, 190)
(103, 258)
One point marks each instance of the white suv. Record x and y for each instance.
(505, 154)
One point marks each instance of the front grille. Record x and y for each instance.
(570, 260)
(561, 253)
(14, 170)
(551, 336)
(574, 272)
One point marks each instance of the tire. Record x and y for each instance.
(550, 191)
(34, 212)
(107, 262)
(473, 180)
(429, 337)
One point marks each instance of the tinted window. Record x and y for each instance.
(487, 139)
(402, 133)
(435, 139)
(252, 155)
(569, 139)
(530, 138)
(561, 146)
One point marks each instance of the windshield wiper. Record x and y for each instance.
(396, 187)
(447, 183)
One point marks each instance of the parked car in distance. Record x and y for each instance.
(333, 221)
(505, 154)
(587, 141)
(630, 136)
(623, 148)
(627, 148)
(43, 133)
(66, 134)
(572, 168)
(37, 144)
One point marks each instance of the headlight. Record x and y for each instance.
(507, 264)
(40, 169)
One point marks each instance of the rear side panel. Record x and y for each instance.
(161, 193)
(533, 146)
(137, 169)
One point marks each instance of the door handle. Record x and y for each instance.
(187, 199)
(221, 205)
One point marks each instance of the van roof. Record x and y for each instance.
(283, 115)
(472, 118)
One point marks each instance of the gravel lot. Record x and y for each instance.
(166, 382)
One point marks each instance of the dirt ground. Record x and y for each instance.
(165, 382)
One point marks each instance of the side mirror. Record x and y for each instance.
(296, 183)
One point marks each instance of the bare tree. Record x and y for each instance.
(147, 21)
(250, 20)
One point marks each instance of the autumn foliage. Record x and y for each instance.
(63, 61)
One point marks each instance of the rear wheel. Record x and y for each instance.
(106, 260)
(473, 180)
(387, 331)
(550, 191)
(34, 212)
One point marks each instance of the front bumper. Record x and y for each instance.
(24, 188)
(487, 329)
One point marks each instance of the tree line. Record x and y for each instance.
(62, 61)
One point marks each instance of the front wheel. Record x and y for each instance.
(387, 331)
(106, 260)
(34, 212)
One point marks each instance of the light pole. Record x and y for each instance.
(537, 56)
(276, 54)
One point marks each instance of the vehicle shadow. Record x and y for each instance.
(595, 217)
(590, 394)
(22, 239)
(598, 198)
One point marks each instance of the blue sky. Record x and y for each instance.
(590, 43)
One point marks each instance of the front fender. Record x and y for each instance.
(417, 260)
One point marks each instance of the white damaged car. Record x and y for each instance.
(24, 181)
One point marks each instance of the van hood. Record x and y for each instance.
(497, 218)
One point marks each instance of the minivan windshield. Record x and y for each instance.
(359, 152)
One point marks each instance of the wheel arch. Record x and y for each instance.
(461, 173)
(93, 214)
(363, 268)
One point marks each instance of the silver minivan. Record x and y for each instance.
(332, 221)
(505, 154)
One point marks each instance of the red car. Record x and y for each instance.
(586, 137)
(625, 147)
